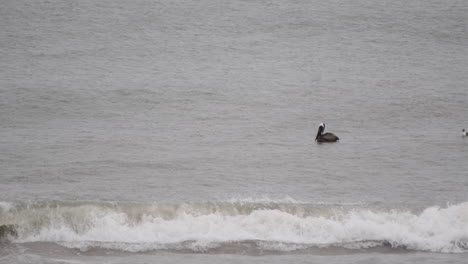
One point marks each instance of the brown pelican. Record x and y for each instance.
(327, 137)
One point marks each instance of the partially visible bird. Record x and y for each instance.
(327, 137)
(464, 133)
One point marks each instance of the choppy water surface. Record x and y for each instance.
(153, 130)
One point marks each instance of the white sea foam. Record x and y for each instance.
(6, 206)
(194, 227)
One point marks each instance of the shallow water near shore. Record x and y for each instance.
(183, 132)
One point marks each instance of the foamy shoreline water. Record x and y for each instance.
(208, 226)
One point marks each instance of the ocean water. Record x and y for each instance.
(183, 131)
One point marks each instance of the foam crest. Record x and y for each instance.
(267, 226)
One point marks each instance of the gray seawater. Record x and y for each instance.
(183, 131)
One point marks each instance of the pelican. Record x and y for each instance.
(327, 137)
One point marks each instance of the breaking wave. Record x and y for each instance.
(239, 224)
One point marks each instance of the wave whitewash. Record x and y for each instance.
(232, 226)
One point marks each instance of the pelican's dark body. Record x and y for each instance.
(327, 137)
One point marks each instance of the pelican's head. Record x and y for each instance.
(320, 130)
